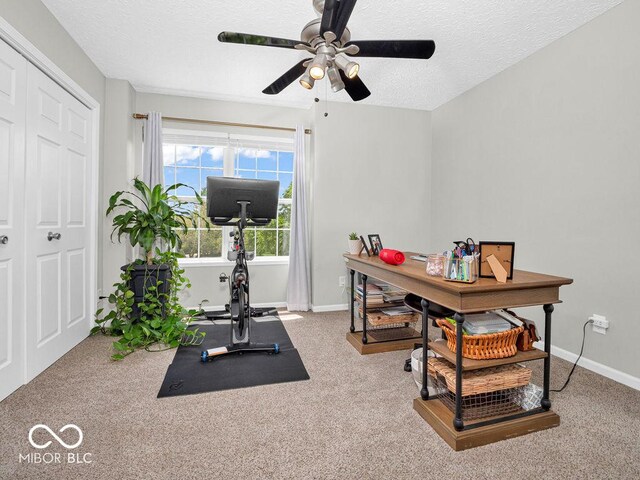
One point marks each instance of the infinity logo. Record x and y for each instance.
(58, 439)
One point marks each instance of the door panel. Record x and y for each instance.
(48, 285)
(76, 287)
(6, 312)
(6, 171)
(77, 188)
(12, 131)
(46, 183)
(59, 166)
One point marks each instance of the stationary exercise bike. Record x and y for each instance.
(240, 203)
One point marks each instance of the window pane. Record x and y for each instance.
(211, 243)
(286, 187)
(204, 173)
(267, 160)
(169, 154)
(246, 158)
(212, 157)
(284, 216)
(189, 244)
(187, 156)
(266, 243)
(246, 173)
(285, 161)
(283, 243)
(192, 222)
(188, 176)
(267, 175)
(250, 239)
(169, 176)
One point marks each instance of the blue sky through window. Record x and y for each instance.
(192, 164)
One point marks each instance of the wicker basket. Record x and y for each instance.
(476, 382)
(483, 347)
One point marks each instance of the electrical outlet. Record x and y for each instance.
(341, 281)
(600, 323)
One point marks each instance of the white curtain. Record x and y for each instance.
(299, 283)
(152, 163)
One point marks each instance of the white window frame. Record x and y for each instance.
(230, 144)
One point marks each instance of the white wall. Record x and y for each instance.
(371, 174)
(547, 154)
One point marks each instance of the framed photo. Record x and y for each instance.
(503, 251)
(376, 243)
(364, 246)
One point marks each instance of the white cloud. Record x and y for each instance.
(217, 153)
(252, 152)
(185, 154)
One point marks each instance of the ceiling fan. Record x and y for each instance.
(329, 40)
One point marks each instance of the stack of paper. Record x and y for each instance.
(482, 323)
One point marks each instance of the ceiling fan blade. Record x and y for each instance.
(354, 87)
(250, 39)
(287, 79)
(422, 49)
(328, 15)
(344, 13)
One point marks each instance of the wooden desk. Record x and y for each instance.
(524, 290)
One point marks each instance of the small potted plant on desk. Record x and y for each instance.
(146, 310)
(355, 245)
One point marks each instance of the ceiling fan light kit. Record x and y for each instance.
(329, 41)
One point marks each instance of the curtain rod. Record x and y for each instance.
(139, 116)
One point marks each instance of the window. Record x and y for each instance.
(191, 160)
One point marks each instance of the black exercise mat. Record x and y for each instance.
(188, 375)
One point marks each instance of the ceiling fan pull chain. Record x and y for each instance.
(326, 101)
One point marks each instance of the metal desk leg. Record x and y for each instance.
(457, 421)
(546, 402)
(424, 392)
(352, 273)
(364, 308)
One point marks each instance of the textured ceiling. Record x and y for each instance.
(170, 46)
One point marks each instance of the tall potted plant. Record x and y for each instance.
(145, 304)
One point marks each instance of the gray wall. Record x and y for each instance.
(547, 154)
(118, 170)
(371, 174)
(348, 159)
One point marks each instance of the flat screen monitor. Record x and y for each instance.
(224, 193)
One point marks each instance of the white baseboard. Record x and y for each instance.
(599, 368)
(329, 308)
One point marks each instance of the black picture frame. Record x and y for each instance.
(376, 243)
(364, 245)
(503, 251)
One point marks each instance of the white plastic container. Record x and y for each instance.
(416, 369)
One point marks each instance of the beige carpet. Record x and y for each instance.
(353, 419)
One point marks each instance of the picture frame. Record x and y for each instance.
(364, 246)
(376, 243)
(503, 251)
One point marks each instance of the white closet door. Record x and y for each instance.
(58, 251)
(12, 127)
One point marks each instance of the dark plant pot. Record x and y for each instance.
(143, 277)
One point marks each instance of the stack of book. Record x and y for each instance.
(385, 305)
(374, 295)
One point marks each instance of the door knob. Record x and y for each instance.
(4, 239)
(52, 236)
